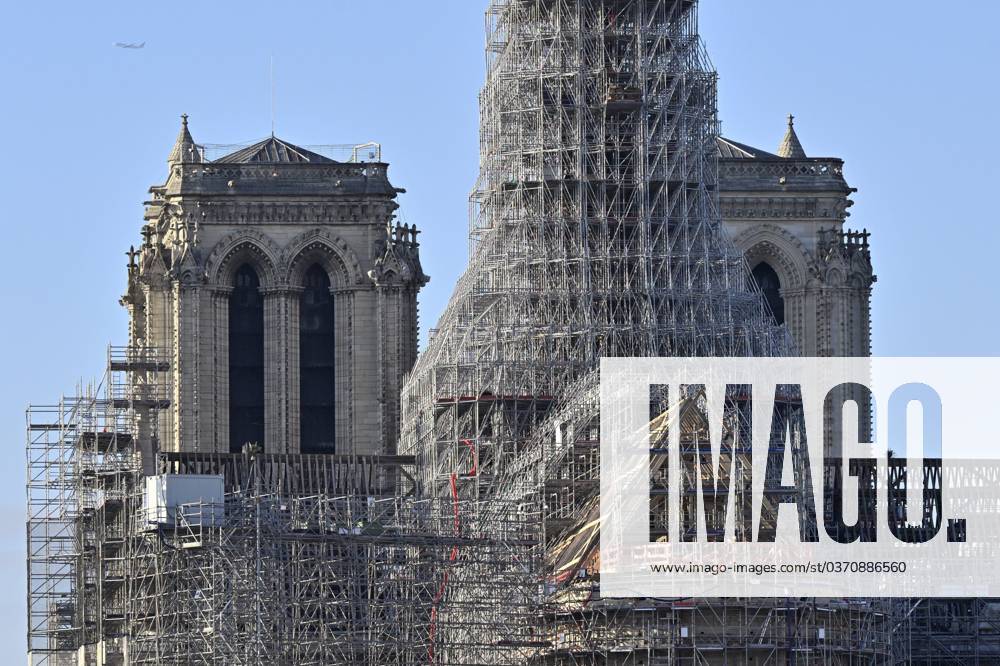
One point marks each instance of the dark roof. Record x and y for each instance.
(729, 149)
(273, 150)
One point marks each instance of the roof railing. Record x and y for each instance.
(341, 152)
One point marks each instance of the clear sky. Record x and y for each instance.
(899, 90)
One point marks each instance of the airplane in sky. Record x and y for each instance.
(126, 45)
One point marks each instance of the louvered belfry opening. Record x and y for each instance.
(246, 361)
(316, 360)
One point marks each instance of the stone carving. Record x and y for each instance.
(251, 245)
(397, 259)
(329, 249)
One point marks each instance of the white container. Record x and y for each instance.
(194, 499)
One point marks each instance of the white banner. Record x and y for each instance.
(859, 477)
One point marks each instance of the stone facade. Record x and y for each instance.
(280, 210)
(787, 212)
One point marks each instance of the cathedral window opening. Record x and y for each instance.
(246, 361)
(317, 363)
(770, 286)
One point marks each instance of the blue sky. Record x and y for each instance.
(904, 92)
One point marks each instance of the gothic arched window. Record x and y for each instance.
(316, 364)
(246, 361)
(770, 285)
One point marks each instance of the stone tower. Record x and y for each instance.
(787, 212)
(281, 294)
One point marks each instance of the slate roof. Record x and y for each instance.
(729, 149)
(273, 150)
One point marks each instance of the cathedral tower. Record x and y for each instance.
(282, 295)
(787, 212)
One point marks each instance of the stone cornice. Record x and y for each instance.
(350, 289)
(269, 171)
(832, 207)
(281, 212)
(281, 290)
(808, 171)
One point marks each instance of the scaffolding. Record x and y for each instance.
(595, 226)
(80, 452)
(595, 231)
(320, 579)
(952, 631)
(587, 629)
(299, 559)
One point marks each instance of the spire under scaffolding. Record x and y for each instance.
(595, 227)
(596, 232)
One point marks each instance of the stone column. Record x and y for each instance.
(275, 371)
(187, 329)
(864, 322)
(159, 335)
(390, 347)
(217, 391)
(347, 368)
(799, 319)
(293, 298)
